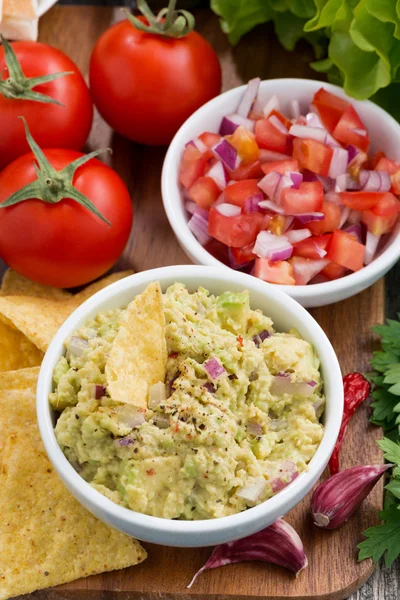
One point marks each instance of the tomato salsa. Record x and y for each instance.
(292, 199)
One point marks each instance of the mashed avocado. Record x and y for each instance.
(235, 421)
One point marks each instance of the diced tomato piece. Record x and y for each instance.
(311, 247)
(247, 171)
(395, 180)
(375, 159)
(193, 165)
(385, 164)
(210, 138)
(274, 272)
(330, 222)
(243, 255)
(218, 250)
(245, 143)
(280, 166)
(308, 198)
(333, 271)
(305, 269)
(387, 206)
(204, 192)
(346, 251)
(236, 231)
(284, 120)
(238, 192)
(345, 130)
(274, 223)
(312, 155)
(330, 108)
(362, 200)
(268, 136)
(377, 224)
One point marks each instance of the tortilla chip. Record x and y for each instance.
(20, 379)
(138, 355)
(18, 414)
(14, 284)
(92, 289)
(37, 318)
(46, 536)
(16, 351)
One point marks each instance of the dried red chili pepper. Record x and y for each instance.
(356, 390)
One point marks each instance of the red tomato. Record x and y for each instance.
(330, 222)
(269, 137)
(311, 247)
(346, 251)
(280, 166)
(363, 200)
(243, 255)
(375, 159)
(279, 271)
(209, 138)
(64, 244)
(377, 224)
(308, 198)
(219, 251)
(193, 165)
(145, 85)
(238, 192)
(393, 168)
(346, 130)
(333, 271)
(395, 180)
(204, 192)
(235, 232)
(245, 144)
(284, 120)
(305, 269)
(51, 125)
(330, 108)
(247, 171)
(387, 206)
(312, 155)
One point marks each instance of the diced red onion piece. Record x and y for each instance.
(161, 421)
(270, 155)
(125, 441)
(77, 346)
(219, 174)
(374, 181)
(327, 183)
(227, 153)
(346, 182)
(210, 387)
(277, 124)
(273, 247)
(278, 544)
(219, 200)
(295, 109)
(309, 176)
(281, 383)
(259, 338)
(157, 394)
(288, 223)
(198, 225)
(354, 217)
(344, 216)
(190, 143)
(284, 182)
(230, 123)
(307, 132)
(229, 210)
(253, 491)
(270, 205)
(371, 244)
(297, 178)
(99, 391)
(289, 473)
(304, 271)
(214, 368)
(251, 204)
(190, 207)
(308, 218)
(339, 160)
(254, 428)
(297, 235)
(269, 183)
(130, 416)
(272, 104)
(333, 197)
(355, 230)
(249, 97)
(353, 152)
(313, 120)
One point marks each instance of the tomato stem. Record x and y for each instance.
(169, 22)
(52, 186)
(18, 87)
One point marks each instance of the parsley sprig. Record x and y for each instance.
(384, 539)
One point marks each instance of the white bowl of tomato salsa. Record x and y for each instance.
(384, 134)
(285, 314)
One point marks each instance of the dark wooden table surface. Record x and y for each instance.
(384, 584)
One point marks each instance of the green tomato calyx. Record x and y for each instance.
(168, 22)
(19, 87)
(52, 186)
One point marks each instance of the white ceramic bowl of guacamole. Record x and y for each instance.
(286, 314)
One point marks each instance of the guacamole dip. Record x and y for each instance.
(225, 416)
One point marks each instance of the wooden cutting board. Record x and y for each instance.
(333, 570)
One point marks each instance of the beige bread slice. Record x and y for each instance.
(19, 19)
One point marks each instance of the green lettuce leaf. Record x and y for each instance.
(240, 16)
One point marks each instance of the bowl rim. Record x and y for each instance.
(222, 525)
(188, 241)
